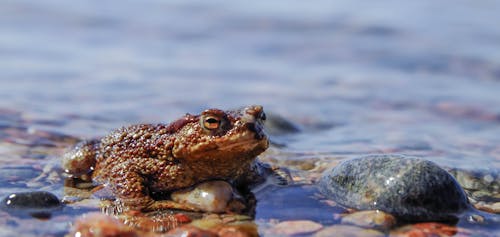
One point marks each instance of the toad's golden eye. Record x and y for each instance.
(211, 123)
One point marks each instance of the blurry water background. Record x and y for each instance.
(419, 77)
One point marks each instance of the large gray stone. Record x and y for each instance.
(410, 188)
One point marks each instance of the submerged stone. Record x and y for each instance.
(372, 219)
(348, 230)
(211, 196)
(410, 188)
(38, 203)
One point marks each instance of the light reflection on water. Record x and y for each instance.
(418, 78)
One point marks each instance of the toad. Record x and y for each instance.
(137, 161)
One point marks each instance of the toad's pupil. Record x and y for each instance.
(211, 123)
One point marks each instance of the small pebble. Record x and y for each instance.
(347, 230)
(38, 203)
(425, 229)
(481, 195)
(246, 229)
(37, 199)
(488, 207)
(296, 227)
(278, 125)
(370, 219)
(191, 231)
(475, 219)
(212, 196)
(488, 178)
(206, 223)
(495, 207)
(100, 225)
(155, 221)
(232, 218)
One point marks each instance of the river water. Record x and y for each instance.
(419, 78)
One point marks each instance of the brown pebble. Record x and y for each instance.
(296, 227)
(100, 225)
(492, 208)
(495, 207)
(182, 218)
(230, 218)
(370, 219)
(425, 229)
(206, 223)
(190, 231)
(247, 229)
(348, 230)
(160, 223)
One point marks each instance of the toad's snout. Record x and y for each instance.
(254, 114)
(254, 117)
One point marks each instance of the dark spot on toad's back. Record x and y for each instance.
(407, 187)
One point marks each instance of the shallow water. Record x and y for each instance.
(419, 78)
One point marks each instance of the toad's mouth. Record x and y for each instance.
(244, 144)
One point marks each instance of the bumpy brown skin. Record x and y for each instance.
(138, 160)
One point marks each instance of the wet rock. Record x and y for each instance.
(213, 196)
(370, 219)
(101, 225)
(154, 222)
(487, 180)
(279, 125)
(36, 199)
(190, 231)
(488, 207)
(347, 230)
(425, 229)
(208, 222)
(297, 227)
(227, 225)
(246, 229)
(409, 188)
(38, 203)
(495, 207)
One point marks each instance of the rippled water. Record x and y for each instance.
(419, 78)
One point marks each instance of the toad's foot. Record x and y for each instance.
(169, 204)
(233, 206)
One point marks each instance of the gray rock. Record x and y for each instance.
(410, 188)
(38, 203)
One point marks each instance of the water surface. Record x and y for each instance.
(419, 78)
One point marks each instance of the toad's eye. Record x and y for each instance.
(211, 123)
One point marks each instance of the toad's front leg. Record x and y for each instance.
(128, 185)
(134, 181)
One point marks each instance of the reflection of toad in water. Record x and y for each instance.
(139, 164)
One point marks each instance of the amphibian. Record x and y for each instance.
(139, 160)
